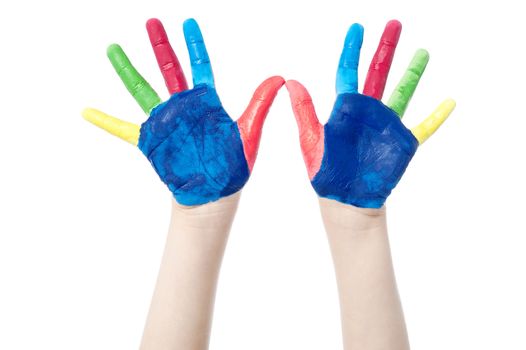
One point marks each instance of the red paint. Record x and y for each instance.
(250, 124)
(381, 63)
(166, 58)
(310, 129)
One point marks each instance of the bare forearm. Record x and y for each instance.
(371, 313)
(182, 305)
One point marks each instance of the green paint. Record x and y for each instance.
(138, 87)
(406, 88)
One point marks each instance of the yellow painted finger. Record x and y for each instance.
(428, 127)
(125, 130)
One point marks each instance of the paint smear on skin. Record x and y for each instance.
(195, 147)
(367, 149)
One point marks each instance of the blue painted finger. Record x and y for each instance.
(201, 67)
(347, 75)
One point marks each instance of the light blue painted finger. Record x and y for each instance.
(347, 75)
(201, 68)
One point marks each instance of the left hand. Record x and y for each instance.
(361, 153)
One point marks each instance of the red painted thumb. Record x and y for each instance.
(251, 121)
(311, 131)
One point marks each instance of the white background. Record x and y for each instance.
(84, 217)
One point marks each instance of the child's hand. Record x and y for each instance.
(361, 153)
(197, 150)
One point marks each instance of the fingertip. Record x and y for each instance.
(297, 92)
(91, 115)
(293, 85)
(156, 32)
(445, 108)
(354, 36)
(189, 21)
(355, 31)
(192, 32)
(420, 60)
(268, 89)
(86, 113)
(113, 49)
(272, 85)
(394, 24)
(422, 53)
(291, 82)
(153, 23)
(357, 26)
(190, 25)
(449, 104)
(392, 31)
(116, 55)
(276, 79)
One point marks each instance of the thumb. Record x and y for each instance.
(251, 121)
(311, 131)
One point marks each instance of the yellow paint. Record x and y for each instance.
(428, 127)
(125, 130)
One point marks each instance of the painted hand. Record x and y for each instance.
(197, 150)
(361, 153)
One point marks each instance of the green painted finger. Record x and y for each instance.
(407, 85)
(138, 87)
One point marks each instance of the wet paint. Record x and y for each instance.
(366, 152)
(197, 150)
(195, 147)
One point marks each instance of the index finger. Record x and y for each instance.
(199, 61)
(347, 75)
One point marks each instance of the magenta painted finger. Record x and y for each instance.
(166, 59)
(381, 63)
(250, 124)
(310, 129)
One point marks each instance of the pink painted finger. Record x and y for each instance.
(310, 129)
(250, 124)
(381, 63)
(166, 59)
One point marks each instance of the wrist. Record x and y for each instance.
(337, 215)
(206, 216)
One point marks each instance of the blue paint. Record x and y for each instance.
(195, 147)
(367, 149)
(199, 60)
(347, 74)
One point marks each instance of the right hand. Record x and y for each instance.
(197, 150)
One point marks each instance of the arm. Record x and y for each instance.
(354, 161)
(205, 158)
(181, 310)
(371, 313)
